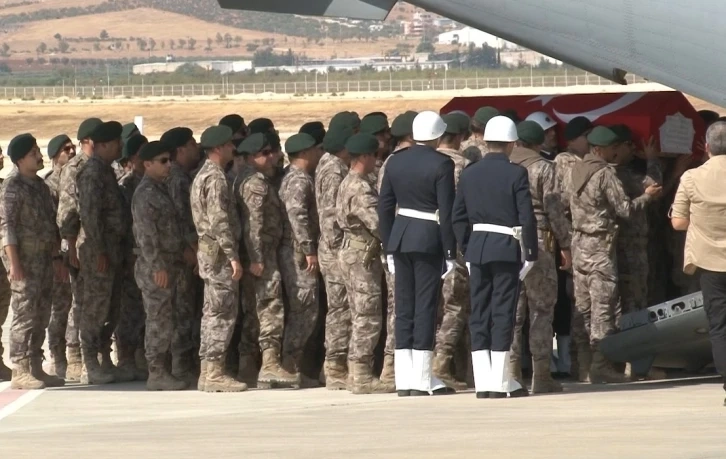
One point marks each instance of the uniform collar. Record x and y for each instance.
(496, 156)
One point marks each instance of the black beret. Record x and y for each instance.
(373, 124)
(511, 114)
(56, 143)
(254, 143)
(708, 116)
(107, 132)
(274, 139)
(153, 149)
(376, 114)
(177, 137)
(299, 142)
(623, 132)
(86, 128)
(403, 124)
(530, 132)
(362, 144)
(20, 146)
(602, 137)
(455, 124)
(342, 119)
(577, 127)
(132, 145)
(129, 130)
(334, 141)
(233, 121)
(216, 136)
(484, 114)
(316, 129)
(261, 125)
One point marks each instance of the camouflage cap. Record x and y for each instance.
(132, 145)
(373, 124)
(623, 132)
(86, 128)
(129, 130)
(403, 124)
(483, 115)
(299, 142)
(153, 149)
(531, 133)
(455, 124)
(362, 144)
(177, 137)
(261, 125)
(576, 127)
(216, 136)
(20, 146)
(335, 139)
(56, 143)
(602, 137)
(107, 132)
(233, 121)
(316, 129)
(254, 143)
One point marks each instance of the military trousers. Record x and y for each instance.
(184, 313)
(632, 255)
(494, 294)
(73, 328)
(302, 295)
(418, 285)
(158, 307)
(455, 308)
(537, 300)
(363, 284)
(337, 319)
(62, 299)
(596, 287)
(221, 307)
(30, 301)
(131, 314)
(5, 294)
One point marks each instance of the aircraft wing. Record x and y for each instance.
(355, 9)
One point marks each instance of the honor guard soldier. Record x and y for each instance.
(420, 181)
(496, 235)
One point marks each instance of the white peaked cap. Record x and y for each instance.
(543, 119)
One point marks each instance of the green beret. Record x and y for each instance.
(56, 143)
(623, 132)
(334, 141)
(132, 145)
(274, 139)
(316, 129)
(455, 124)
(177, 137)
(107, 132)
(233, 121)
(261, 125)
(403, 124)
(216, 136)
(602, 137)
(511, 114)
(576, 127)
(86, 128)
(483, 115)
(531, 133)
(254, 143)
(362, 144)
(342, 119)
(20, 146)
(299, 142)
(153, 149)
(129, 130)
(373, 124)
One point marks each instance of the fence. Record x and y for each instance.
(319, 85)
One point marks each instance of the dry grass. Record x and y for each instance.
(44, 5)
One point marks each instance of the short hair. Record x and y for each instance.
(716, 138)
(497, 146)
(449, 137)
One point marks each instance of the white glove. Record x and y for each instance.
(450, 266)
(391, 266)
(525, 269)
(468, 267)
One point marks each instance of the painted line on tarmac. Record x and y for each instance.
(12, 401)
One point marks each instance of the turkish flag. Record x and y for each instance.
(667, 116)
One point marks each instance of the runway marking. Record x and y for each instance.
(13, 400)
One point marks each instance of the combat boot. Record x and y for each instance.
(584, 362)
(36, 369)
(291, 365)
(202, 375)
(92, 372)
(349, 379)
(247, 370)
(654, 374)
(602, 372)
(6, 374)
(515, 370)
(120, 375)
(442, 370)
(75, 364)
(363, 380)
(336, 374)
(542, 382)
(140, 358)
(218, 381)
(182, 368)
(160, 379)
(125, 370)
(388, 374)
(23, 379)
(58, 364)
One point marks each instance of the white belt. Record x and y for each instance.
(431, 216)
(515, 232)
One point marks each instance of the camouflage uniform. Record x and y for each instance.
(300, 238)
(632, 242)
(473, 149)
(390, 286)
(328, 176)
(563, 165)
(218, 227)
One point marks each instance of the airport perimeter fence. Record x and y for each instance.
(311, 86)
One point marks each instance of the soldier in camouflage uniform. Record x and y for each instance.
(331, 171)
(597, 199)
(31, 252)
(160, 239)
(360, 260)
(60, 151)
(103, 228)
(475, 147)
(298, 254)
(218, 228)
(69, 224)
(5, 372)
(538, 293)
(377, 125)
(120, 166)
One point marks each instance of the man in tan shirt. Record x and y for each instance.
(700, 208)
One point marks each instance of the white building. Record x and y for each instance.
(468, 36)
(221, 66)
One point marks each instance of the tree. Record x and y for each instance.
(141, 43)
(152, 44)
(118, 46)
(425, 47)
(209, 43)
(163, 44)
(238, 39)
(5, 68)
(97, 46)
(65, 61)
(182, 43)
(5, 50)
(42, 48)
(220, 38)
(63, 46)
(29, 60)
(104, 35)
(192, 43)
(172, 43)
(252, 47)
(41, 60)
(58, 37)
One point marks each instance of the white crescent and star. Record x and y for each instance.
(592, 115)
